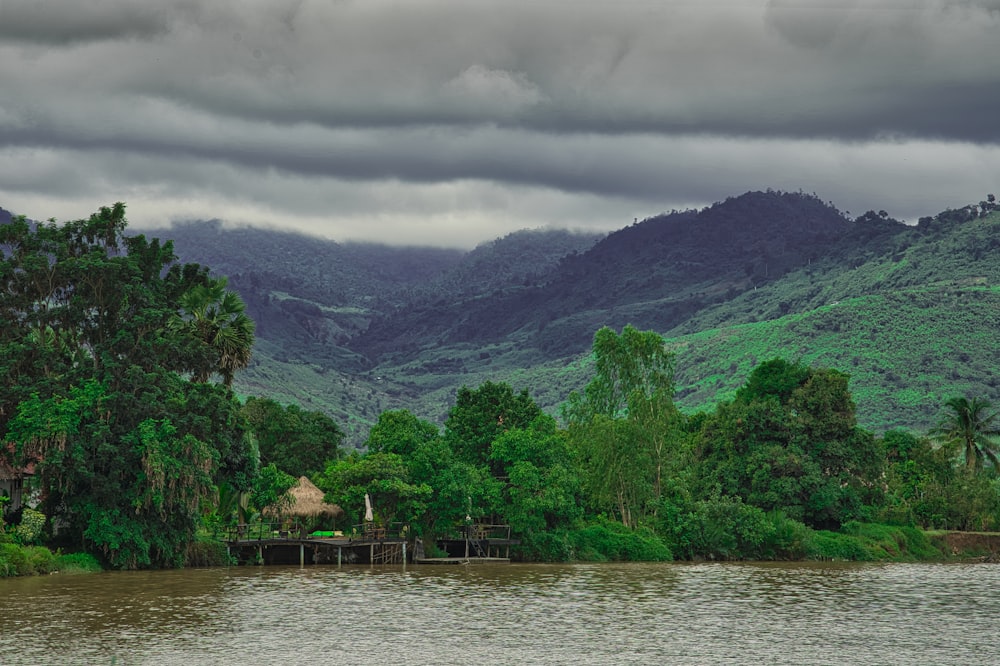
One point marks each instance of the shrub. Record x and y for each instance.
(611, 541)
(826, 545)
(206, 553)
(77, 563)
(18, 560)
(727, 528)
(30, 527)
(550, 546)
(41, 560)
(13, 561)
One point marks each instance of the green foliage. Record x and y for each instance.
(216, 318)
(866, 542)
(69, 563)
(16, 560)
(612, 541)
(973, 427)
(399, 431)
(481, 415)
(625, 427)
(93, 370)
(925, 488)
(542, 488)
(300, 442)
(206, 553)
(28, 531)
(385, 478)
(796, 450)
(826, 545)
(270, 488)
(549, 546)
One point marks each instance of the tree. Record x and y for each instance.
(789, 442)
(384, 477)
(969, 425)
(460, 488)
(125, 448)
(217, 318)
(541, 488)
(625, 427)
(400, 432)
(299, 442)
(481, 415)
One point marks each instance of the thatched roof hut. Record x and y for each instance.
(306, 502)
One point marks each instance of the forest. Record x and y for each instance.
(118, 364)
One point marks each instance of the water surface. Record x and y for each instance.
(803, 613)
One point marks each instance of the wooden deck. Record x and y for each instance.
(267, 543)
(262, 544)
(462, 560)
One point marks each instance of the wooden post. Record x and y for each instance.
(404, 553)
(302, 554)
(338, 555)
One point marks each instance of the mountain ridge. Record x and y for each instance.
(910, 311)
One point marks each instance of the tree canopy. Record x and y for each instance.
(97, 390)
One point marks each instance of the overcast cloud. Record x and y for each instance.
(454, 122)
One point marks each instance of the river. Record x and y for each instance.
(732, 613)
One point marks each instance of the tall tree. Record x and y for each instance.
(970, 425)
(90, 388)
(481, 415)
(789, 441)
(217, 317)
(625, 425)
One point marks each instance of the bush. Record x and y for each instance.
(611, 541)
(30, 527)
(18, 560)
(550, 546)
(207, 553)
(868, 541)
(825, 545)
(77, 563)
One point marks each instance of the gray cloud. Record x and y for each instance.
(374, 119)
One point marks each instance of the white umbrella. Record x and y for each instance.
(369, 516)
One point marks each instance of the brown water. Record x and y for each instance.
(513, 614)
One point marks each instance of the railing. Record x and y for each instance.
(373, 532)
(265, 530)
(481, 531)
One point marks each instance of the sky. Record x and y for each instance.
(459, 121)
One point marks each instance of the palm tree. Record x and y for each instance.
(217, 318)
(970, 425)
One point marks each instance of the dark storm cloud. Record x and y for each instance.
(433, 114)
(68, 22)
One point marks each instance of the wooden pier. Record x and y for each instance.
(474, 544)
(264, 544)
(268, 543)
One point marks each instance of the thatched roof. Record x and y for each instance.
(307, 502)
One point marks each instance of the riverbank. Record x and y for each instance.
(983, 546)
(860, 542)
(18, 560)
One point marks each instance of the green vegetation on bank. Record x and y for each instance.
(117, 365)
(780, 471)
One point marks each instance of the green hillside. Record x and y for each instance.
(910, 312)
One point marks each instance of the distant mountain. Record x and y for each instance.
(654, 274)
(911, 312)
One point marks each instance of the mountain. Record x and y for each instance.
(911, 312)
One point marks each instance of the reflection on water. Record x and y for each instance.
(537, 614)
